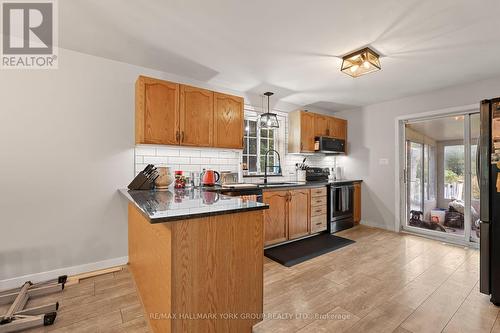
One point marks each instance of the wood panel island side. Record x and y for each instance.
(197, 260)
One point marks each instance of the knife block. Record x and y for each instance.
(144, 181)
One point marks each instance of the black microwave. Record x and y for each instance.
(327, 145)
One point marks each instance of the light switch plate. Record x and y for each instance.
(383, 161)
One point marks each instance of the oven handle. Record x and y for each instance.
(342, 186)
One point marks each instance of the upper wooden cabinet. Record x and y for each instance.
(174, 114)
(305, 126)
(321, 125)
(337, 128)
(300, 132)
(157, 112)
(229, 121)
(196, 116)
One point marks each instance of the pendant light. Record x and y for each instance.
(269, 119)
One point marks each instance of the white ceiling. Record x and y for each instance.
(292, 47)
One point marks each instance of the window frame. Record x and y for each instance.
(276, 145)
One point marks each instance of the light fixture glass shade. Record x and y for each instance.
(269, 120)
(361, 62)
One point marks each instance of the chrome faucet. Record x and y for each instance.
(266, 166)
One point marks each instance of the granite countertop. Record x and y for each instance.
(173, 205)
(284, 185)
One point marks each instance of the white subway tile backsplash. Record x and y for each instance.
(225, 161)
(167, 152)
(209, 153)
(139, 159)
(179, 160)
(156, 160)
(190, 153)
(145, 151)
(228, 154)
(200, 160)
(190, 167)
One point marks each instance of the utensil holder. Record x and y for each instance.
(301, 175)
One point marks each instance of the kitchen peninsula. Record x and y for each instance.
(197, 259)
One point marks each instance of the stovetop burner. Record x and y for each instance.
(317, 174)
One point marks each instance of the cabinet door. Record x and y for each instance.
(229, 121)
(275, 218)
(298, 213)
(157, 111)
(306, 132)
(357, 202)
(196, 116)
(338, 128)
(321, 125)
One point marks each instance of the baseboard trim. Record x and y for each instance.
(72, 270)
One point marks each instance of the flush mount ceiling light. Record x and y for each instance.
(361, 62)
(269, 119)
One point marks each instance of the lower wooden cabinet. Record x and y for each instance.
(275, 218)
(288, 216)
(298, 214)
(318, 209)
(357, 202)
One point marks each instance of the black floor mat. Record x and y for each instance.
(294, 253)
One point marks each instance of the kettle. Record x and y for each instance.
(209, 177)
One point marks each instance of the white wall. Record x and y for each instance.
(371, 136)
(66, 146)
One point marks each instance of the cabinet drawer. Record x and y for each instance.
(318, 192)
(319, 210)
(318, 223)
(318, 201)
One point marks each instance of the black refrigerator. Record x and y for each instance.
(489, 182)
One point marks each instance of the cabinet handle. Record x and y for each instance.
(177, 136)
(301, 146)
(182, 136)
(328, 132)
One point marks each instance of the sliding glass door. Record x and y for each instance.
(440, 190)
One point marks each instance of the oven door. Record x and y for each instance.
(341, 202)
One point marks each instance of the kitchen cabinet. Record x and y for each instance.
(319, 207)
(298, 217)
(157, 112)
(169, 113)
(196, 116)
(288, 216)
(321, 125)
(301, 132)
(304, 126)
(357, 203)
(275, 218)
(228, 121)
(337, 128)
